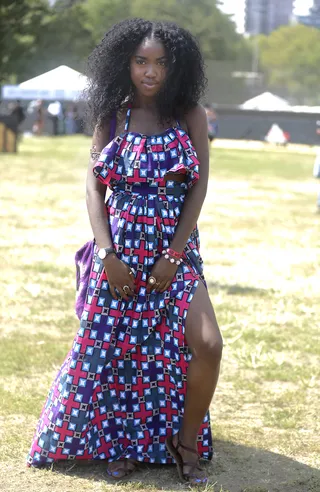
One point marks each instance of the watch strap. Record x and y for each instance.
(107, 251)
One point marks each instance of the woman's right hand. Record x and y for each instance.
(119, 275)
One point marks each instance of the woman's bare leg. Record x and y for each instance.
(205, 341)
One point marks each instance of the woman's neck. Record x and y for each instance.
(144, 102)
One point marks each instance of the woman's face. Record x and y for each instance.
(148, 67)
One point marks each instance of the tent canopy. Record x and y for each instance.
(266, 102)
(61, 83)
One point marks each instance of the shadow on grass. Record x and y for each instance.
(235, 468)
(237, 289)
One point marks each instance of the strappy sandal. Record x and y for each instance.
(129, 467)
(191, 477)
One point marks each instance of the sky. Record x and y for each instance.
(236, 7)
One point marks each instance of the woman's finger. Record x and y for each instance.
(151, 285)
(123, 293)
(129, 289)
(113, 292)
(159, 285)
(166, 286)
(130, 280)
(131, 284)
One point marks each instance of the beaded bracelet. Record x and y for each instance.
(174, 253)
(170, 258)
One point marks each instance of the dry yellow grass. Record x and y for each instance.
(260, 241)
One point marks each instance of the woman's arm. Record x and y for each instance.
(118, 273)
(96, 192)
(197, 125)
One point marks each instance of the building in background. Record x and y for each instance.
(313, 19)
(316, 5)
(264, 16)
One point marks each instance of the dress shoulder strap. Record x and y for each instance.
(113, 126)
(126, 127)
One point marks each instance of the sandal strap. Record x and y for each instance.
(186, 448)
(192, 472)
(193, 465)
(132, 462)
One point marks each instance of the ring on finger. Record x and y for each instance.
(152, 280)
(126, 289)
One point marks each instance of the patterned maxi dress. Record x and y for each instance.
(121, 390)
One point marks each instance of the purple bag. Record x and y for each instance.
(83, 260)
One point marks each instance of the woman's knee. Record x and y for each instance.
(215, 348)
(209, 350)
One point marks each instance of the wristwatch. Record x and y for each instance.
(104, 252)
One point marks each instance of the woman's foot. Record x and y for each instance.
(120, 469)
(187, 461)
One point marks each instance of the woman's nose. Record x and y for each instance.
(150, 71)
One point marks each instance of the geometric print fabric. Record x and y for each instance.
(121, 389)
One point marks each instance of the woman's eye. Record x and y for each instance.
(140, 62)
(163, 64)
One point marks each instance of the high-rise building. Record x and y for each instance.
(316, 7)
(313, 19)
(264, 16)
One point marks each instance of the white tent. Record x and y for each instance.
(62, 83)
(267, 102)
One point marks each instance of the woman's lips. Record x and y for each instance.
(149, 85)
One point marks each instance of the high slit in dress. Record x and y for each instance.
(121, 389)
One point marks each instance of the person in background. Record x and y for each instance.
(39, 121)
(19, 116)
(212, 122)
(18, 113)
(70, 119)
(55, 114)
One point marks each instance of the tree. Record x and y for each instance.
(19, 22)
(102, 14)
(38, 37)
(290, 58)
(214, 30)
(67, 31)
(64, 39)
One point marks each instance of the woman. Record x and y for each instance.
(124, 393)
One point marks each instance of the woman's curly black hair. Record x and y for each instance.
(109, 70)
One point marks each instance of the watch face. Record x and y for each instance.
(102, 254)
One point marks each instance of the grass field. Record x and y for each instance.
(261, 244)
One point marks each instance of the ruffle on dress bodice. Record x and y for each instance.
(136, 158)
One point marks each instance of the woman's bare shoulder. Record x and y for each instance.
(195, 116)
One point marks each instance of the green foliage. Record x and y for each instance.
(19, 22)
(66, 32)
(36, 37)
(64, 39)
(290, 57)
(214, 30)
(102, 14)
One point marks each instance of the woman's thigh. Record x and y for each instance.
(202, 330)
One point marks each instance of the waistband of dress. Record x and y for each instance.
(145, 189)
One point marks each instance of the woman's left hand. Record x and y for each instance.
(163, 271)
